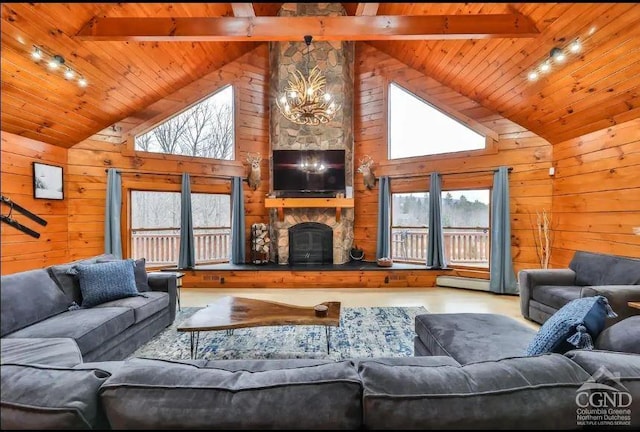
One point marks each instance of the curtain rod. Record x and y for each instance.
(214, 176)
(399, 176)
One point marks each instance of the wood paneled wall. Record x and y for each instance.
(596, 194)
(528, 154)
(379, 278)
(88, 159)
(20, 251)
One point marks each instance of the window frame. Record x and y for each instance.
(450, 183)
(143, 184)
(490, 136)
(470, 267)
(129, 149)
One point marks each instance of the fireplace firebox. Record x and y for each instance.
(310, 243)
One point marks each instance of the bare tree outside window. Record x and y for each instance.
(204, 130)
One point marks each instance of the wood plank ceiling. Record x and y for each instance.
(593, 90)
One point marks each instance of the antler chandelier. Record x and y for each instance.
(305, 100)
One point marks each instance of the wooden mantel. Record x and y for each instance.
(282, 203)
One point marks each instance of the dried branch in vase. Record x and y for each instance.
(543, 238)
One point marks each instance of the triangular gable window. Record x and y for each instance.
(417, 128)
(204, 130)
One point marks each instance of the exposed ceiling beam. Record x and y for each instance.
(243, 9)
(367, 9)
(322, 28)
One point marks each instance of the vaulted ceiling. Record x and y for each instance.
(590, 91)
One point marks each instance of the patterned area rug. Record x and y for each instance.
(363, 332)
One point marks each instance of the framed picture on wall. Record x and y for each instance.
(47, 181)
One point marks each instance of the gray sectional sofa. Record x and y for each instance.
(49, 383)
(543, 292)
(38, 306)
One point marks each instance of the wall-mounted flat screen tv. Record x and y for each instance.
(308, 171)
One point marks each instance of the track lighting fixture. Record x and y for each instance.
(56, 62)
(558, 56)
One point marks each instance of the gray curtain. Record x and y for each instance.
(112, 235)
(435, 245)
(383, 242)
(187, 256)
(503, 278)
(237, 222)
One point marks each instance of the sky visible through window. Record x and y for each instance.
(417, 128)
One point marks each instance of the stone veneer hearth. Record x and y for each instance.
(335, 60)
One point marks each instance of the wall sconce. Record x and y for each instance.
(57, 62)
(556, 55)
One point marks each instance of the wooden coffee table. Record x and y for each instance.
(229, 313)
(635, 305)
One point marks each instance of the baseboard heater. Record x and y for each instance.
(463, 282)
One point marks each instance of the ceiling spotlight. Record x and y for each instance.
(82, 82)
(545, 67)
(56, 61)
(36, 54)
(533, 75)
(575, 46)
(68, 74)
(557, 55)
(592, 30)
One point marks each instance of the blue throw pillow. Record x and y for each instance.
(140, 272)
(575, 325)
(103, 282)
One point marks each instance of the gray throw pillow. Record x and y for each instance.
(140, 272)
(623, 336)
(103, 282)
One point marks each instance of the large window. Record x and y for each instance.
(417, 128)
(409, 226)
(155, 227)
(204, 130)
(465, 222)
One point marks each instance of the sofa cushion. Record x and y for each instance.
(600, 269)
(103, 282)
(325, 396)
(27, 298)
(516, 393)
(41, 397)
(625, 364)
(470, 337)
(140, 272)
(143, 307)
(556, 296)
(624, 336)
(88, 327)
(251, 365)
(49, 351)
(68, 283)
(575, 325)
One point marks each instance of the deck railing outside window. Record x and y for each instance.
(161, 246)
(462, 246)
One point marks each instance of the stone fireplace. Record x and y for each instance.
(336, 62)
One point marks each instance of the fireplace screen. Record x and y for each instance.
(310, 243)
